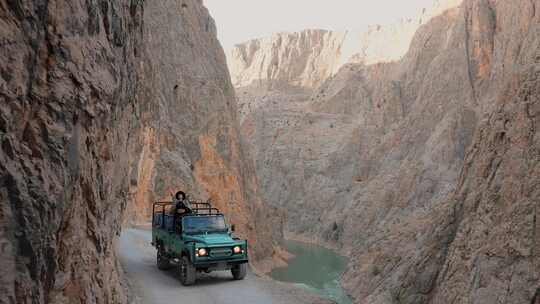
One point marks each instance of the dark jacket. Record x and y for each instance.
(182, 205)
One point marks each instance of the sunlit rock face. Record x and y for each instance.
(305, 59)
(106, 106)
(301, 60)
(290, 66)
(397, 163)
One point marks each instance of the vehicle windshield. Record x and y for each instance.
(198, 224)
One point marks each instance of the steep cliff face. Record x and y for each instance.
(102, 103)
(303, 59)
(494, 254)
(428, 218)
(375, 161)
(68, 128)
(191, 134)
(288, 67)
(334, 138)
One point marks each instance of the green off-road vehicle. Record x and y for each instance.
(196, 241)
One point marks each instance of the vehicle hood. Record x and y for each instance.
(213, 239)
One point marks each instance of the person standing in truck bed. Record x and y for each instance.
(181, 207)
(181, 204)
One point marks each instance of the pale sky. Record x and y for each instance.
(242, 20)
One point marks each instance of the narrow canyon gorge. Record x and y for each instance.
(416, 155)
(411, 148)
(106, 106)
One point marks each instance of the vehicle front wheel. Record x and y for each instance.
(163, 262)
(239, 271)
(188, 273)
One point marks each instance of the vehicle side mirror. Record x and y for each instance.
(233, 228)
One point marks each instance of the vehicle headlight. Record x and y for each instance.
(202, 251)
(237, 249)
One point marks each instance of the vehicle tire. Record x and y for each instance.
(188, 273)
(239, 271)
(163, 262)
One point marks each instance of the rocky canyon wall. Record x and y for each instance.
(104, 106)
(398, 162)
(191, 135)
(298, 63)
(69, 129)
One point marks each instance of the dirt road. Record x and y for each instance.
(153, 286)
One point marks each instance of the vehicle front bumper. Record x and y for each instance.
(219, 264)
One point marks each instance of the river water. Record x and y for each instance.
(315, 268)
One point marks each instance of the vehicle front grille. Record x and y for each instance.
(220, 252)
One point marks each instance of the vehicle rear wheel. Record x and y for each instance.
(188, 273)
(239, 271)
(163, 262)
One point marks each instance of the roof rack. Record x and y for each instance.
(198, 208)
(203, 208)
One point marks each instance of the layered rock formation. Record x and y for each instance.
(398, 163)
(102, 103)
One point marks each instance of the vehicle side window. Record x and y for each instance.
(158, 219)
(169, 223)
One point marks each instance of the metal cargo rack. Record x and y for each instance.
(198, 208)
(203, 208)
